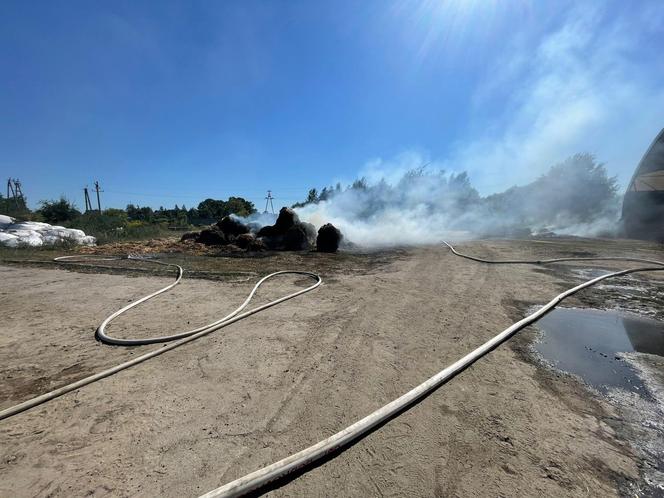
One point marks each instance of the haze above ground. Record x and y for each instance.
(174, 102)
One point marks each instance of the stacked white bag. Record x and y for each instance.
(36, 234)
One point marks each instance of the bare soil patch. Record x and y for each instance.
(256, 391)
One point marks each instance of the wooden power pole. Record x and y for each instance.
(98, 190)
(88, 204)
(14, 188)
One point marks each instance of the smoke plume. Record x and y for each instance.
(422, 206)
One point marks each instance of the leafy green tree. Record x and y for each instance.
(137, 213)
(239, 206)
(360, 184)
(59, 211)
(17, 208)
(117, 215)
(578, 190)
(312, 196)
(212, 209)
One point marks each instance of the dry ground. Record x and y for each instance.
(254, 392)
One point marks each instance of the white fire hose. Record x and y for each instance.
(261, 477)
(184, 337)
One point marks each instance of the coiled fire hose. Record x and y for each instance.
(261, 477)
(180, 338)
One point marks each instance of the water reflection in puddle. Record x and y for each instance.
(588, 343)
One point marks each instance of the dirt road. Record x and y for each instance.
(261, 389)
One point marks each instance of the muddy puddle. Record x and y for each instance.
(591, 343)
(616, 346)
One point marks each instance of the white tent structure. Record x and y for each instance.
(643, 205)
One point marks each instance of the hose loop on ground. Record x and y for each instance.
(180, 338)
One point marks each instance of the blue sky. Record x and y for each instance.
(173, 102)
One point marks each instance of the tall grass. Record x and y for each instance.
(108, 228)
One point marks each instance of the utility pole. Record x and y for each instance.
(98, 190)
(88, 204)
(17, 189)
(268, 201)
(14, 187)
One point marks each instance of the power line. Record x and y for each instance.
(196, 196)
(184, 196)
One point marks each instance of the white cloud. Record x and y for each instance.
(591, 85)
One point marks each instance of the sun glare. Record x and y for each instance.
(450, 27)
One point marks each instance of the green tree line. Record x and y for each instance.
(132, 222)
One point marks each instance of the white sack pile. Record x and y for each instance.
(36, 234)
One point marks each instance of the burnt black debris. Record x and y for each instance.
(212, 237)
(231, 226)
(189, 236)
(287, 234)
(329, 238)
(243, 241)
(286, 219)
(295, 239)
(225, 232)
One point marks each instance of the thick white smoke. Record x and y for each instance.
(419, 206)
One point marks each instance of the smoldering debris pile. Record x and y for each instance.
(35, 234)
(329, 238)
(287, 234)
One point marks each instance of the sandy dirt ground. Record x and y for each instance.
(247, 395)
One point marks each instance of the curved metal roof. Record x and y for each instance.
(649, 174)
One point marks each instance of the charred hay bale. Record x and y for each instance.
(296, 239)
(268, 231)
(189, 236)
(329, 238)
(272, 242)
(256, 245)
(230, 226)
(286, 219)
(288, 233)
(244, 240)
(212, 237)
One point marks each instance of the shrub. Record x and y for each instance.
(59, 211)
